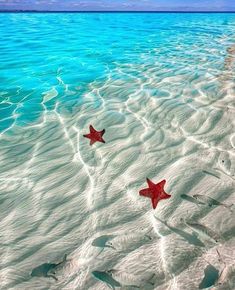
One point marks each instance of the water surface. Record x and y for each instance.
(162, 85)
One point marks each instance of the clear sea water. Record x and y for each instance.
(162, 85)
(47, 57)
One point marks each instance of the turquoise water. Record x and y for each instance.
(162, 87)
(63, 54)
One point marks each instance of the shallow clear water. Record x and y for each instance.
(47, 57)
(162, 85)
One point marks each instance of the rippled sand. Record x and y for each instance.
(58, 194)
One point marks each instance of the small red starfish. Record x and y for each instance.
(155, 191)
(95, 136)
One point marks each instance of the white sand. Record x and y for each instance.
(58, 194)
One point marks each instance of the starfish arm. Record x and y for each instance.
(150, 183)
(92, 129)
(167, 195)
(154, 202)
(92, 141)
(87, 136)
(145, 192)
(102, 140)
(102, 132)
(162, 183)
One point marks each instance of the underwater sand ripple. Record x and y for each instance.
(57, 194)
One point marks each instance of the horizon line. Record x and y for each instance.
(113, 11)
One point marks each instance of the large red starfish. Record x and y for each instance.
(155, 191)
(95, 136)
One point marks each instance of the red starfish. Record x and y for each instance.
(95, 136)
(155, 191)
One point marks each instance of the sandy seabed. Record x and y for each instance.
(58, 194)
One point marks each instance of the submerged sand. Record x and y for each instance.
(58, 194)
